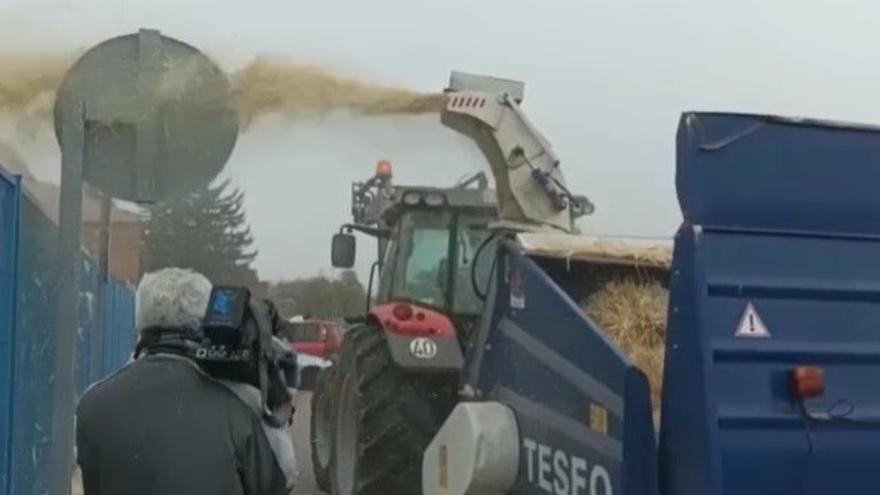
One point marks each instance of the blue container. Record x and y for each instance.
(777, 265)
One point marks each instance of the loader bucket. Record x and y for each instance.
(775, 271)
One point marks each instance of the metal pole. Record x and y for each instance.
(66, 316)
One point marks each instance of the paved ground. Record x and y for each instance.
(301, 422)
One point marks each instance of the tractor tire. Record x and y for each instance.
(322, 424)
(385, 418)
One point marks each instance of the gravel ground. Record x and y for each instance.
(301, 422)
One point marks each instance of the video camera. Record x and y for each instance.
(227, 328)
(238, 344)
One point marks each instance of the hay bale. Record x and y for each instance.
(632, 312)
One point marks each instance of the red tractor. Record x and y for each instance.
(396, 377)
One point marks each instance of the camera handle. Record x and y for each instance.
(264, 334)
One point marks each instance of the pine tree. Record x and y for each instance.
(205, 231)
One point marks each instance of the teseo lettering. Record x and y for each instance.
(556, 472)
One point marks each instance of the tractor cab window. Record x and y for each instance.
(386, 274)
(472, 268)
(424, 265)
(424, 271)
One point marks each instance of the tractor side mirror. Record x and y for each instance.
(343, 250)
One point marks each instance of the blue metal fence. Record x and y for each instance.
(9, 206)
(34, 352)
(27, 302)
(118, 314)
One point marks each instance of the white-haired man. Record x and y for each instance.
(163, 426)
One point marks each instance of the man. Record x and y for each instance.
(162, 426)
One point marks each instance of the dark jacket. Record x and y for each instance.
(162, 427)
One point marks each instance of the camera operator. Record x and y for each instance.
(166, 425)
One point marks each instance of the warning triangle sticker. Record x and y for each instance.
(751, 325)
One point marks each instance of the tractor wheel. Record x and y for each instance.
(323, 423)
(385, 418)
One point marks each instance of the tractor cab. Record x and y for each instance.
(432, 249)
(431, 242)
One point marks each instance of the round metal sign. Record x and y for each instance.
(158, 120)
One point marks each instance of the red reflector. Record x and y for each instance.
(808, 382)
(402, 312)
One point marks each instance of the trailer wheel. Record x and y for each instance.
(323, 422)
(386, 418)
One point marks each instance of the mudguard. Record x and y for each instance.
(426, 341)
(582, 408)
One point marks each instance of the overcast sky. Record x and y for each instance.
(605, 82)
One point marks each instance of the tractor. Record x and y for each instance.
(432, 246)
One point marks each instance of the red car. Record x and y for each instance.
(316, 338)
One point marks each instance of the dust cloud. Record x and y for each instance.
(28, 82)
(265, 86)
(272, 85)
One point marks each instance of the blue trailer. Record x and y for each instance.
(773, 350)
